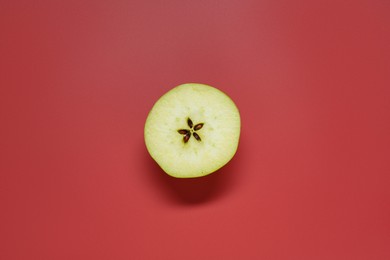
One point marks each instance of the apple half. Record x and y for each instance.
(192, 130)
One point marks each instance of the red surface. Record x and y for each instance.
(311, 176)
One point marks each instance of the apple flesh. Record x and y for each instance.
(192, 130)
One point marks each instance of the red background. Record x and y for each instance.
(311, 176)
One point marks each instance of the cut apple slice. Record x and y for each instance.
(192, 130)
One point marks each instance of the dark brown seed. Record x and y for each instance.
(198, 126)
(189, 122)
(197, 137)
(187, 137)
(183, 131)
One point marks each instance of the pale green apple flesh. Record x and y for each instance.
(192, 130)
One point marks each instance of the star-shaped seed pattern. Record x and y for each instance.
(192, 131)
